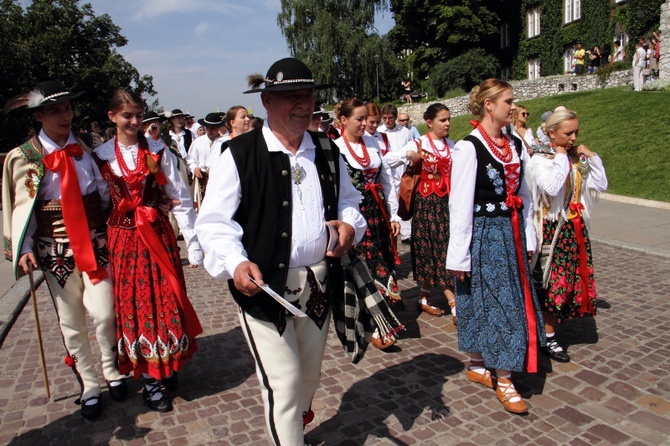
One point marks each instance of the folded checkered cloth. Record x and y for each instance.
(361, 309)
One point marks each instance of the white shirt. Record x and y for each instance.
(640, 58)
(376, 162)
(175, 189)
(221, 235)
(461, 203)
(203, 152)
(183, 150)
(549, 176)
(88, 175)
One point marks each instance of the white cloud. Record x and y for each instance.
(201, 28)
(155, 8)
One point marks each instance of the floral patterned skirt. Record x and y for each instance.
(376, 251)
(150, 325)
(564, 291)
(491, 309)
(430, 240)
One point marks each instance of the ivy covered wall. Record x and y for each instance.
(595, 27)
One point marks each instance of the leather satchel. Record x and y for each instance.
(409, 181)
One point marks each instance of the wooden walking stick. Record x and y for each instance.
(39, 330)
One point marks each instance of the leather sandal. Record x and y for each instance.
(485, 379)
(506, 392)
(428, 308)
(378, 342)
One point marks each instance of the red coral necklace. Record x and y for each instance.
(135, 176)
(504, 155)
(364, 160)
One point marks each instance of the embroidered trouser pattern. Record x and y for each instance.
(73, 294)
(288, 366)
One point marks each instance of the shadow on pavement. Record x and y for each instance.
(403, 391)
(219, 365)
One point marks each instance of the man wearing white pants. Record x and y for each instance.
(264, 218)
(639, 62)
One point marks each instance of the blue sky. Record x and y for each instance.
(200, 52)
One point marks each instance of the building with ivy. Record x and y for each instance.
(539, 37)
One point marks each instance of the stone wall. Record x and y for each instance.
(526, 90)
(664, 61)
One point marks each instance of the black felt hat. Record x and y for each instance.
(285, 75)
(45, 93)
(152, 116)
(212, 120)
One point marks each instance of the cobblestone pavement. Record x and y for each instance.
(616, 391)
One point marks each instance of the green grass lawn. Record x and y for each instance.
(629, 130)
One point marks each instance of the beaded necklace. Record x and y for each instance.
(135, 176)
(364, 161)
(436, 151)
(504, 155)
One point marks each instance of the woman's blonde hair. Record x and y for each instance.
(557, 117)
(489, 89)
(519, 108)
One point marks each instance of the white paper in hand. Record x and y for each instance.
(284, 303)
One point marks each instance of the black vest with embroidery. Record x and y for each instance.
(490, 185)
(265, 215)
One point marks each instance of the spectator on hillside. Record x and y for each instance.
(407, 86)
(619, 52)
(580, 55)
(542, 137)
(639, 62)
(595, 58)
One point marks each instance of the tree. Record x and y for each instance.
(338, 41)
(435, 32)
(464, 71)
(62, 41)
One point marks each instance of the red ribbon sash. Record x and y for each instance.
(587, 305)
(515, 202)
(72, 203)
(374, 189)
(144, 216)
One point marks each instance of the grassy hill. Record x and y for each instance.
(629, 130)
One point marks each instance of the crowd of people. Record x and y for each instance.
(499, 225)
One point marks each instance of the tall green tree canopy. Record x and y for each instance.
(63, 41)
(433, 32)
(338, 41)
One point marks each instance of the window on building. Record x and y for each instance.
(568, 61)
(505, 73)
(504, 35)
(533, 20)
(573, 10)
(533, 68)
(621, 37)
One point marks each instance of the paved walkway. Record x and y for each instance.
(614, 392)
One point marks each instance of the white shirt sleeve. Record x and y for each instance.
(347, 207)
(461, 205)
(597, 178)
(219, 234)
(524, 193)
(554, 183)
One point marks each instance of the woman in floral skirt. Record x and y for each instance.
(564, 180)
(156, 324)
(372, 178)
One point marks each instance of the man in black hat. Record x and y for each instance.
(179, 133)
(53, 199)
(203, 152)
(272, 197)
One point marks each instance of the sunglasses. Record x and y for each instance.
(403, 120)
(524, 114)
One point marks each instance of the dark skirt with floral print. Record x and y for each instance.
(491, 306)
(430, 239)
(563, 296)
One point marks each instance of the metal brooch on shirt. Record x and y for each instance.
(298, 175)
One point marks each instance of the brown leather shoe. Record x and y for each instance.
(430, 309)
(485, 378)
(518, 407)
(380, 344)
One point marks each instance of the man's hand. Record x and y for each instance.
(197, 172)
(27, 262)
(241, 279)
(165, 205)
(346, 237)
(395, 228)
